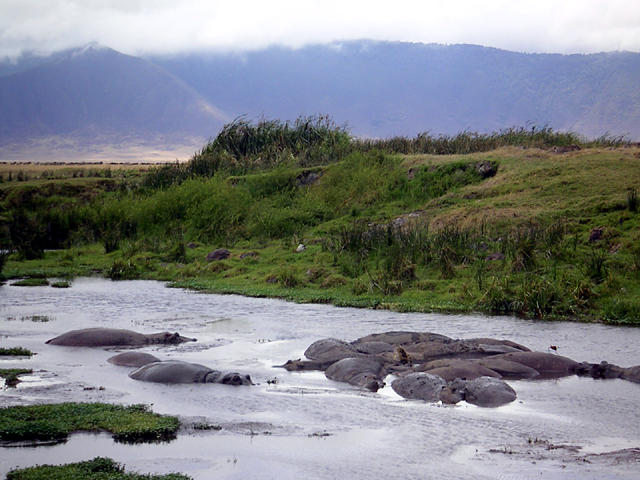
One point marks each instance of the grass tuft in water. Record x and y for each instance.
(129, 424)
(16, 351)
(99, 468)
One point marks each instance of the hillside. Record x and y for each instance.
(523, 230)
(99, 104)
(98, 96)
(380, 89)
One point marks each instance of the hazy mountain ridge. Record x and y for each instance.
(378, 89)
(98, 92)
(383, 88)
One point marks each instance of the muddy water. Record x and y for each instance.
(294, 425)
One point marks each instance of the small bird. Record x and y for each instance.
(554, 348)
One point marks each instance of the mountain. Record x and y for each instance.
(89, 98)
(383, 88)
(100, 96)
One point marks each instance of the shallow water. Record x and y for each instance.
(305, 424)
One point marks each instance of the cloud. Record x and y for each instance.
(163, 26)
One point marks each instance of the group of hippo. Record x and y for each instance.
(433, 367)
(426, 366)
(148, 367)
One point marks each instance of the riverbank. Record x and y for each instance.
(547, 232)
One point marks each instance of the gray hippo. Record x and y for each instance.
(362, 372)
(105, 337)
(175, 371)
(480, 391)
(471, 369)
(132, 359)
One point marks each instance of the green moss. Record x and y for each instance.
(56, 421)
(99, 468)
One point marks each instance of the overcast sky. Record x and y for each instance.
(172, 26)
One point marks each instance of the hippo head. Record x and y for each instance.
(171, 338)
(234, 378)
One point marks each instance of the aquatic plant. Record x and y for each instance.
(16, 351)
(99, 468)
(133, 423)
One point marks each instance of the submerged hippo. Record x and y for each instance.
(465, 369)
(105, 337)
(132, 359)
(175, 371)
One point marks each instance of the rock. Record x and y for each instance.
(219, 254)
(486, 168)
(596, 234)
(419, 386)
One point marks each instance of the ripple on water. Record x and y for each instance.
(317, 428)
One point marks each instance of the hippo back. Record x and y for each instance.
(99, 337)
(173, 371)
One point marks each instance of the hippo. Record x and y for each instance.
(419, 386)
(486, 391)
(105, 337)
(480, 391)
(361, 372)
(548, 365)
(469, 369)
(175, 371)
(132, 359)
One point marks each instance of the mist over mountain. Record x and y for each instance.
(378, 89)
(382, 88)
(99, 95)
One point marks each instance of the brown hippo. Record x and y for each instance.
(548, 365)
(175, 371)
(105, 337)
(132, 359)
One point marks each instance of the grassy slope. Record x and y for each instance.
(578, 190)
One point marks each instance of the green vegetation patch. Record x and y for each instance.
(61, 284)
(31, 282)
(135, 423)
(10, 375)
(100, 468)
(16, 351)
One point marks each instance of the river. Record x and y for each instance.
(300, 424)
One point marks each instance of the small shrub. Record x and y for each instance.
(123, 270)
(595, 265)
(288, 278)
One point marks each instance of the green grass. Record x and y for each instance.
(16, 351)
(31, 282)
(10, 375)
(55, 421)
(99, 468)
(412, 232)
